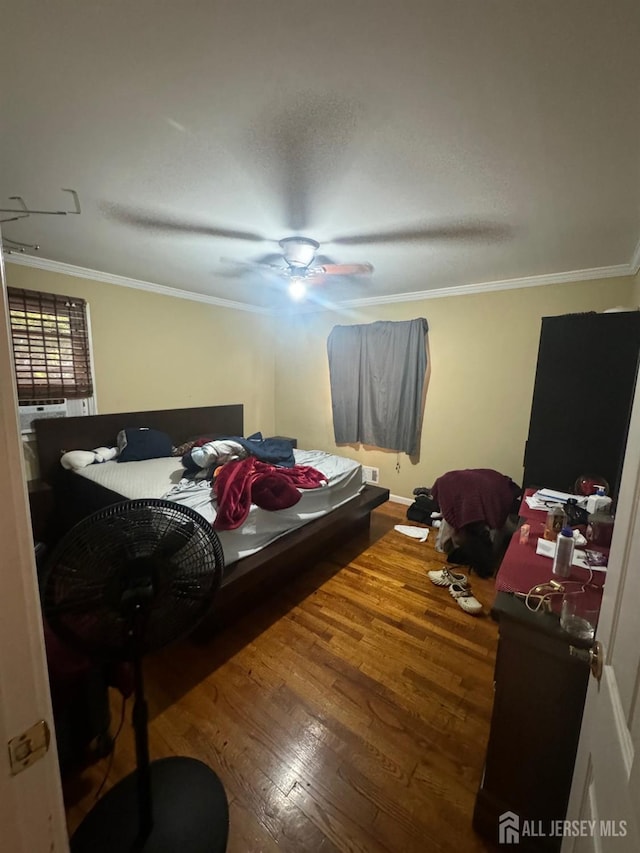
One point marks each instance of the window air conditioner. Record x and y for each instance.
(31, 410)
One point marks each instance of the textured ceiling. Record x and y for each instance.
(447, 142)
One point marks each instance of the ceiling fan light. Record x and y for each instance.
(297, 289)
(298, 251)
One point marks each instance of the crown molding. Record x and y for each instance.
(615, 271)
(123, 281)
(488, 286)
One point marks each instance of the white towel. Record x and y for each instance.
(420, 533)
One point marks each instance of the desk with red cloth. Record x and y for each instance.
(541, 677)
(522, 569)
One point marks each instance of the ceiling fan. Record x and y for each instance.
(300, 266)
(300, 151)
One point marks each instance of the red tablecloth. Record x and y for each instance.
(522, 569)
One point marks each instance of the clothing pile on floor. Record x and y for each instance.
(475, 504)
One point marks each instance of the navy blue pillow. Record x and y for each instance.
(136, 444)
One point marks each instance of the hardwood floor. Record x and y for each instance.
(348, 713)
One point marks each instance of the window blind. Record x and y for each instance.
(50, 340)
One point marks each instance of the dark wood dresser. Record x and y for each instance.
(541, 678)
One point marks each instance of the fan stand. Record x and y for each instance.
(168, 805)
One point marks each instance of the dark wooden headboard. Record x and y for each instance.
(54, 436)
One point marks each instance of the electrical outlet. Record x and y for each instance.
(371, 475)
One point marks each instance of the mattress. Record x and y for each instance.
(151, 478)
(164, 478)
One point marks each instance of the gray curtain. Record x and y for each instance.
(377, 374)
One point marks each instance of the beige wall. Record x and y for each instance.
(483, 356)
(154, 352)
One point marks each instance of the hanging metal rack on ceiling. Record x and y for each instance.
(23, 212)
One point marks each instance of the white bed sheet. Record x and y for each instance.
(151, 478)
(163, 478)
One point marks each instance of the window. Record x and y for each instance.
(377, 373)
(50, 338)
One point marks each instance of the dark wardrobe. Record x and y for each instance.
(582, 398)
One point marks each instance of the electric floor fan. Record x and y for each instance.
(124, 582)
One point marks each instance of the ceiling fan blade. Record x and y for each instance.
(255, 265)
(322, 260)
(294, 174)
(272, 259)
(304, 147)
(269, 273)
(343, 269)
(152, 222)
(453, 231)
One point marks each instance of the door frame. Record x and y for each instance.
(32, 816)
(621, 670)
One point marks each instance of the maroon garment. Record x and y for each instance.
(68, 667)
(243, 482)
(475, 495)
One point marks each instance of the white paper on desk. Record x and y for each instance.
(544, 498)
(579, 559)
(548, 549)
(561, 497)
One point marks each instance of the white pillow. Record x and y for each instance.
(105, 454)
(74, 459)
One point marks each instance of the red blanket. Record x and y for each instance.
(247, 481)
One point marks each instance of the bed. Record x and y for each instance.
(265, 551)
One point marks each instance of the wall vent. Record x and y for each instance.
(370, 475)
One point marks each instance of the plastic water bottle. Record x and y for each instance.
(598, 502)
(564, 553)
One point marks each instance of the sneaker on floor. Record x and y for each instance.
(465, 599)
(445, 577)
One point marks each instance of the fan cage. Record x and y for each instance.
(158, 557)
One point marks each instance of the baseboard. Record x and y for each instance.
(397, 499)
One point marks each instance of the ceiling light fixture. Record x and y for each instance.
(299, 251)
(297, 289)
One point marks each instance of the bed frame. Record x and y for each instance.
(55, 436)
(246, 581)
